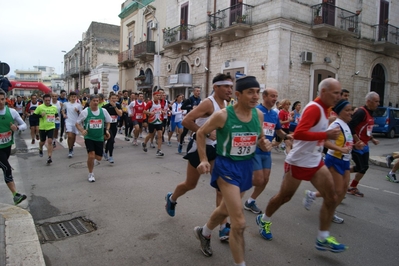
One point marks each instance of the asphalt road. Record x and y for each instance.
(127, 205)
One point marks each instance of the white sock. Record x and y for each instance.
(390, 172)
(323, 235)
(265, 218)
(312, 194)
(206, 231)
(240, 264)
(170, 198)
(250, 200)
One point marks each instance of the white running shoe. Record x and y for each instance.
(96, 162)
(308, 200)
(152, 145)
(338, 220)
(91, 178)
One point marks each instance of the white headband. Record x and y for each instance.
(223, 82)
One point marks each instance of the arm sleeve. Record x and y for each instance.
(186, 104)
(107, 116)
(148, 106)
(310, 118)
(130, 108)
(175, 109)
(17, 117)
(82, 116)
(357, 118)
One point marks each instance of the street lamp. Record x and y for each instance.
(67, 81)
(157, 59)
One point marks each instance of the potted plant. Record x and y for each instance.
(183, 30)
(317, 19)
(241, 19)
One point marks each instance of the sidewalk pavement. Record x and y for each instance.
(381, 161)
(19, 242)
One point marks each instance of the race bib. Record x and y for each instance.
(5, 137)
(243, 144)
(114, 118)
(268, 129)
(139, 116)
(370, 130)
(50, 118)
(297, 120)
(95, 123)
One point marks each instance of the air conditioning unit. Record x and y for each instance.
(306, 57)
(153, 25)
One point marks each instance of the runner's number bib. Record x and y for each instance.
(95, 123)
(243, 144)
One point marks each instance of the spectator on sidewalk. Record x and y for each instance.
(391, 176)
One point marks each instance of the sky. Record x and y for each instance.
(35, 32)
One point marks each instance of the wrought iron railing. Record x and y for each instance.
(386, 33)
(144, 48)
(126, 55)
(239, 13)
(332, 15)
(178, 33)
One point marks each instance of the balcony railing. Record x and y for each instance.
(124, 56)
(331, 15)
(386, 33)
(184, 32)
(237, 14)
(144, 48)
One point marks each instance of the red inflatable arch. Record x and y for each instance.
(30, 85)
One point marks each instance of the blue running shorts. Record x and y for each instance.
(238, 173)
(262, 161)
(339, 165)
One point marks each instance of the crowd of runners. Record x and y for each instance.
(232, 142)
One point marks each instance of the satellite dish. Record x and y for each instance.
(4, 69)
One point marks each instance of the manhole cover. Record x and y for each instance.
(79, 165)
(64, 229)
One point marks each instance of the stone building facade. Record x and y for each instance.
(290, 45)
(92, 64)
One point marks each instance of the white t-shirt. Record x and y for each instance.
(70, 111)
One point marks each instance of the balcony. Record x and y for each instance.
(179, 37)
(230, 23)
(180, 80)
(85, 69)
(27, 78)
(126, 59)
(73, 72)
(145, 50)
(386, 37)
(332, 21)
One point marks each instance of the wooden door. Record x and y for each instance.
(233, 72)
(183, 21)
(383, 20)
(235, 10)
(329, 12)
(319, 75)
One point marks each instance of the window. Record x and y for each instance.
(183, 67)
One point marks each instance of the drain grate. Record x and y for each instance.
(64, 229)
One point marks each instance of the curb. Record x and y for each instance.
(380, 161)
(22, 246)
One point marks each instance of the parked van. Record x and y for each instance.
(386, 121)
